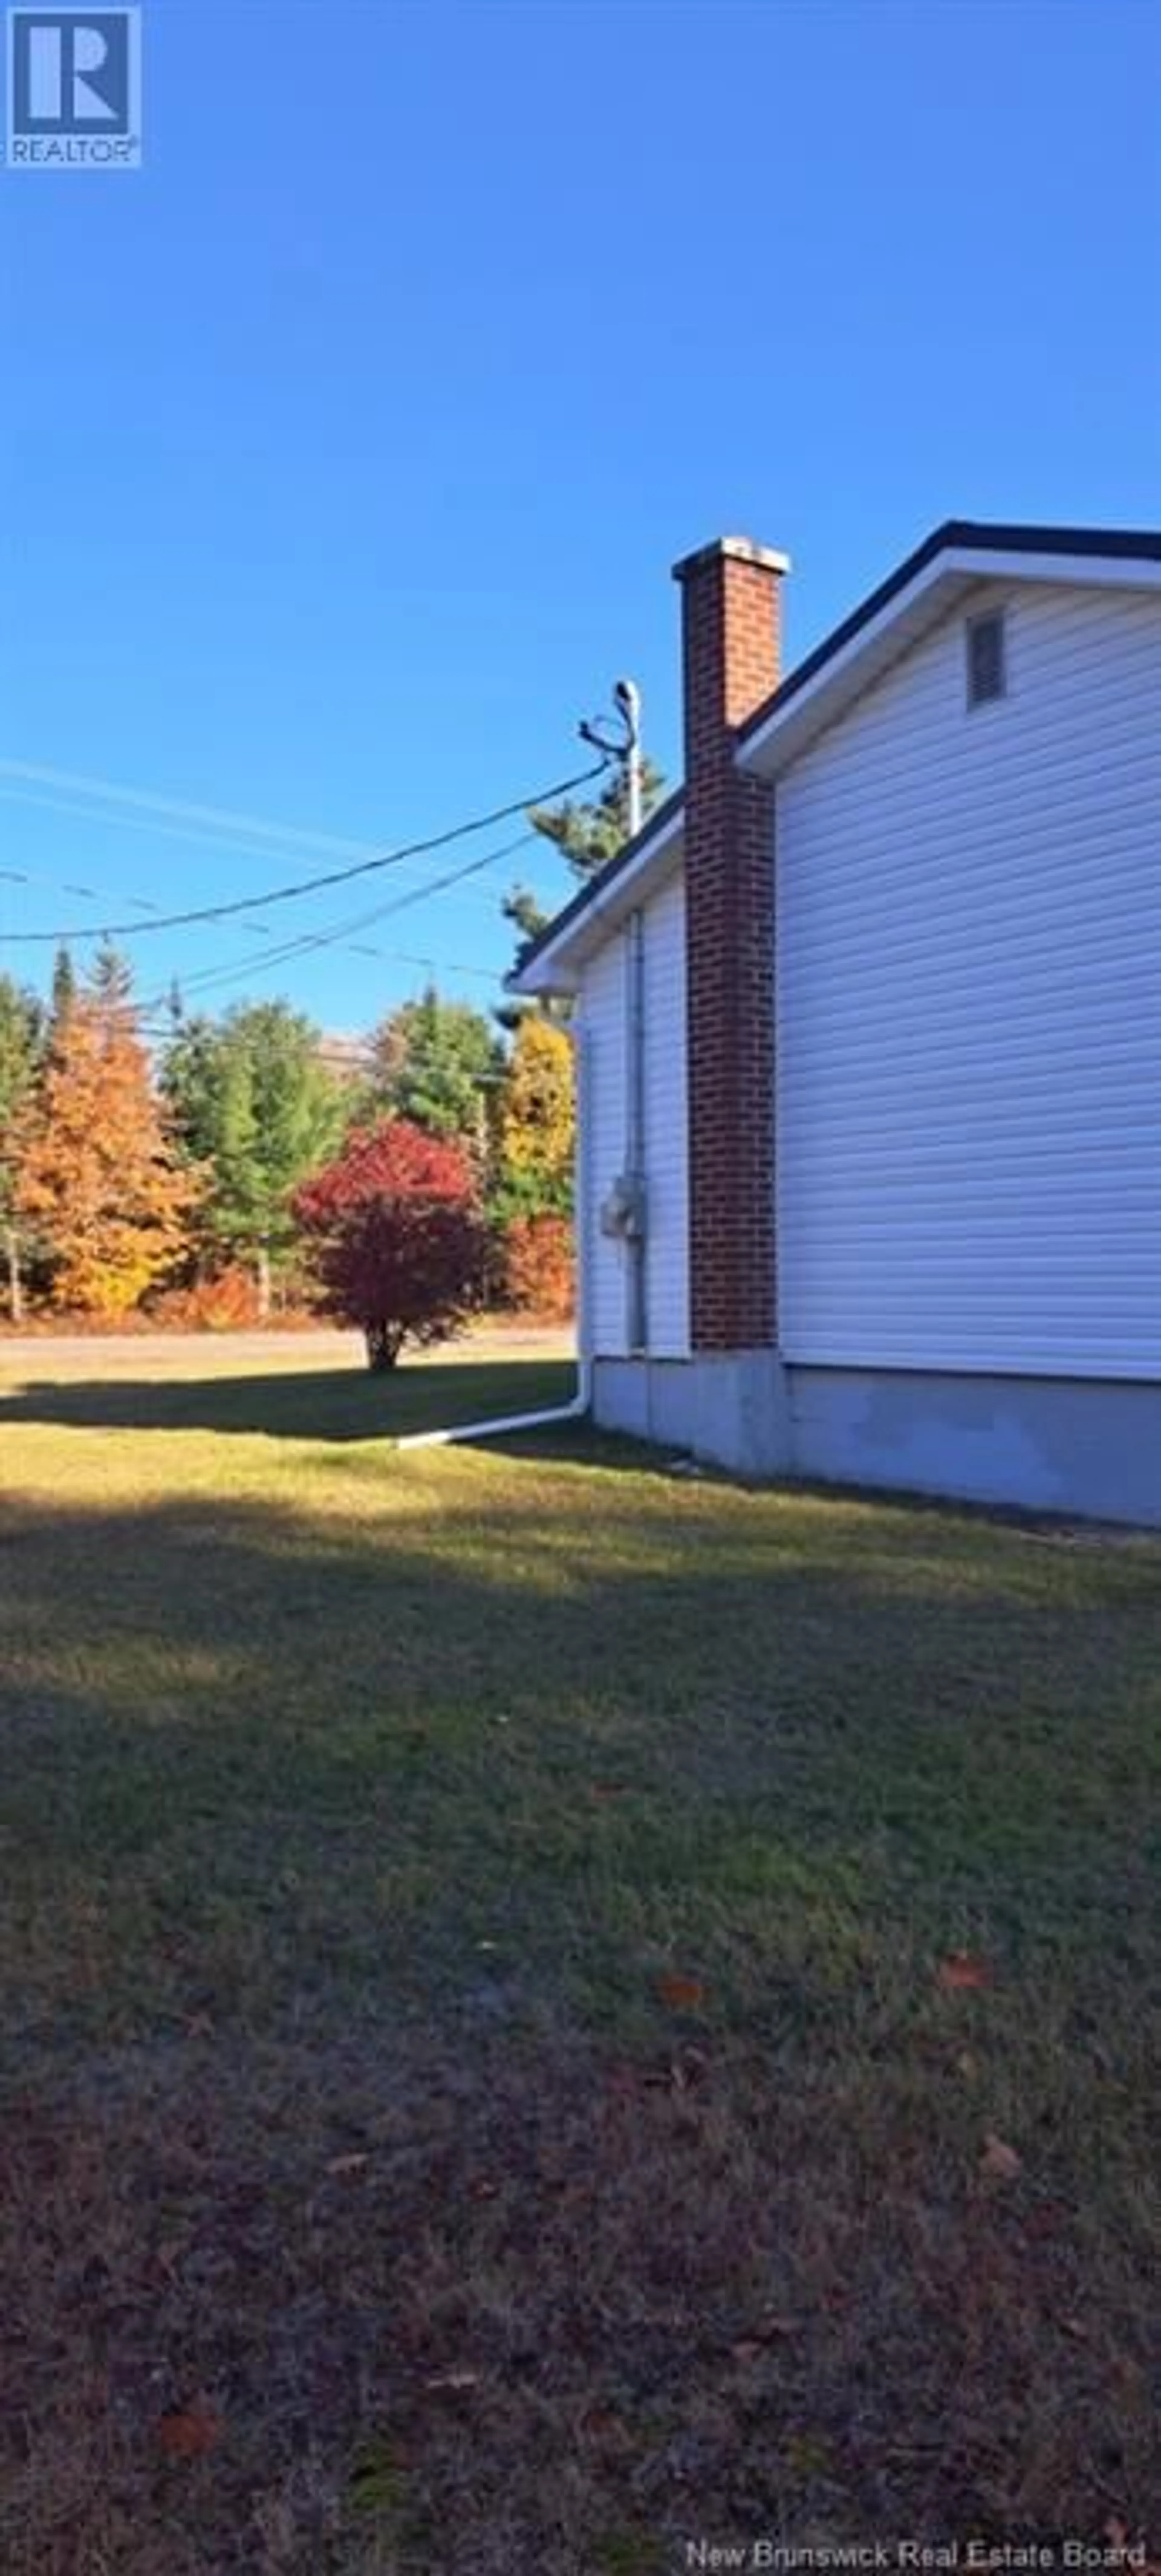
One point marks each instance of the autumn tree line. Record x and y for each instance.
(229, 1165)
(193, 1170)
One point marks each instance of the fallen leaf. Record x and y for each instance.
(189, 2432)
(601, 2424)
(808, 2455)
(379, 2478)
(962, 1973)
(682, 1994)
(999, 2161)
(748, 2349)
(347, 2164)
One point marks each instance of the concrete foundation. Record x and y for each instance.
(729, 1407)
(1045, 1444)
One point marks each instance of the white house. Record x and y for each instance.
(869, 1035)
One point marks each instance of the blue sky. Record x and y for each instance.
(346, 447)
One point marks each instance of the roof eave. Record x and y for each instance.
(553, 963)
(815, 695)
(949, 563)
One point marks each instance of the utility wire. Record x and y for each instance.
(83, 894)
(213, 839)
(337, 933)
(431, 965)
(27, 876)
(315, 885)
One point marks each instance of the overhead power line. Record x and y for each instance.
(256, 929)
(338, 933)
(281, 842)
(83, 893)
(317, 884)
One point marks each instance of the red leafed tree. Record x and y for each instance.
(397, 1237)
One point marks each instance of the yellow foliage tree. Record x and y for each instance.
(537, 1121)
(98, 1181)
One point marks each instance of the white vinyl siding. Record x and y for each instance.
(666, 1135)
(969, 1006)
(601, 1010)
(602, 1015)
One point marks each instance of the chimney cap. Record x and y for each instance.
(731, 550)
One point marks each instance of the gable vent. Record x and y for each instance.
(986, 677)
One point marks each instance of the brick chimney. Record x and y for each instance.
(731, 618)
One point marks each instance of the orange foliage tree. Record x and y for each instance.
(537, 1266)
(98, 1180)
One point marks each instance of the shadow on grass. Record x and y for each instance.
(298, 1797)
(318, 1404)
(257, 1752)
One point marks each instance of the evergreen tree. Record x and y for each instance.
(436, 1063)
(587, 835)
(255, 1105)
(64, 992)
(189, 1081)
(21, 1052)
(111, 980)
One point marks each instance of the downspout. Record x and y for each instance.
(636, 1317)
(580, 1403)
(571, 1412)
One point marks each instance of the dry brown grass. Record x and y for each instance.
(490, 2311)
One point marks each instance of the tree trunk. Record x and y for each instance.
(262, 1272)
(15, 1282)
(382, 1347)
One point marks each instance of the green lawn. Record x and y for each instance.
(484, 2085)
